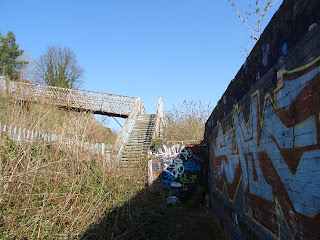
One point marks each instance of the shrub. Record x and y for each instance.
(186, 121)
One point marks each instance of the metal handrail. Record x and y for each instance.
(159, 121)
(80, 99)
(126, 130)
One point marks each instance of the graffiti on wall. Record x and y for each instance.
(181, 170)
(274, 155)
(154, 171)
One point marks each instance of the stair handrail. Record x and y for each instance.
(142, 109)
(159, 120)
(126, 130)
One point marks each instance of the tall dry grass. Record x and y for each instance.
(186, 121)
(48, 191)
(52, 119)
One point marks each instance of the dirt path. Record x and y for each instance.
(192, 223)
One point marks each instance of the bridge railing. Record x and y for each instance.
(159, 121)
(126, 130)
(95, 102)
(123, 106)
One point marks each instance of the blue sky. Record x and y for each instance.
(177, 49)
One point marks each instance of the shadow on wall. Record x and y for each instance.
(147, 215)
(182, 169)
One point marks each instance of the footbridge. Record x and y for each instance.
(130, 108)
(95, 102)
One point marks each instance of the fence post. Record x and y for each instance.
(37, 92)
(17, 133)
(19, 137)
(10, 131)
(7, 86)
(14, 134)
(69, 98)
(24, 134)
(102, 148)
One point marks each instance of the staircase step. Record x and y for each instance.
(139, 141)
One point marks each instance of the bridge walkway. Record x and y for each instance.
(95, 102)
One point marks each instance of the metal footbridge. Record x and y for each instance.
(130, 108)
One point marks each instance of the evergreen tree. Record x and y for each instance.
(9, 53)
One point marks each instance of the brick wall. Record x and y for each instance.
(180, 169)
(263, 137)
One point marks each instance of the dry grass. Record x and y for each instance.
(47, 191)
(51, 119)
(186, 121)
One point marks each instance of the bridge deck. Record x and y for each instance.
(99, 103)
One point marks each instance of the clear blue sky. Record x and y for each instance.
(177, 49)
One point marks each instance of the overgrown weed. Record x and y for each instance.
(186, 121)
(48, 191)
(51, 119)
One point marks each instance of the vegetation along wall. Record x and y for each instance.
(263, 137)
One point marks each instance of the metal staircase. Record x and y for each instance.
(135, 151)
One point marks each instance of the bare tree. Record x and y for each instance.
(27, 65)
(252, 18)
(59, 67)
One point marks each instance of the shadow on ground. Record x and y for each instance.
(146, 216)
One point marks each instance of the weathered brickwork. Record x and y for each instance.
(180, 168)
(263, 136)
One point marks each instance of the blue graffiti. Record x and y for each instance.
(248, 143)
(191, 165)
(155, 166)
(168, 179)
(237, 234)
(302, 186)
(292, 88)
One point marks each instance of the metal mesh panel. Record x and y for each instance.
(90, 101)
(126, 131)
